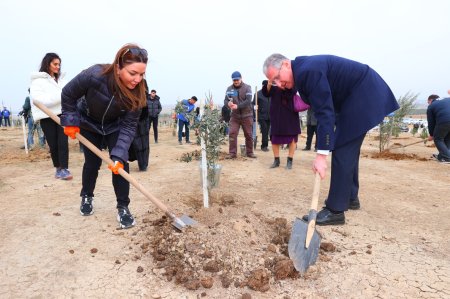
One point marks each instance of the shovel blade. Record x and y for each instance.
(301, 256)
(183, 221)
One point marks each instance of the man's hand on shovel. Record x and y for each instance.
(320, 165)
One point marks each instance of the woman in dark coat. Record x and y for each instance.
(113, 97)
(284, 122)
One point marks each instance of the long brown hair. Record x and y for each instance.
(46, 61)
(130, 99)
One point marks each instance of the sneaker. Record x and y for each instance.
(444, 161)
(86, 207)
(58, 173)
(188, 141)
(126, 220)
(180, 143)
(66, 175)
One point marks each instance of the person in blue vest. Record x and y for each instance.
(348, 99)
(183, 121)
(6, 114)
(438, 116)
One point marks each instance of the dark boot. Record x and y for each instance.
(255, 142)
(276, 162)
(289, 163)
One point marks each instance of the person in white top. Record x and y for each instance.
(46, 87)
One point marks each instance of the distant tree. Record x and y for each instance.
(391, 127)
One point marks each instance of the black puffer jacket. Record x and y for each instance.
(154, 106)
(98, 111)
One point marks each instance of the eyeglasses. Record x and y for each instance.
(277, 77)
(141, 53)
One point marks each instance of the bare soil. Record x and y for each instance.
(395, 246)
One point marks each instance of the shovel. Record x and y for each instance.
(409, 144)
(304, 242)
(177, 222)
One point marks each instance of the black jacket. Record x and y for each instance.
(438, 112)
(154, 106)
(263, 106)
(97, 110)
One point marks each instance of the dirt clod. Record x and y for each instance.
(140, 269)
(207, 282)
(284, 269)
(327, 247)
(259, 280)
(94, 250)
(211, 266)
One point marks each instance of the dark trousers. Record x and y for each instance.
(441, 137)
(310, 131)
(344, 184)
(264, 125)
(247, 127)
(57, 142)
(7, 122)
(92, 164)
(182, 124)
(154, 121)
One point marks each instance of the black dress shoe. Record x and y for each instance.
(264, 149)
(353, 204)
(326, 217)
(307, 148)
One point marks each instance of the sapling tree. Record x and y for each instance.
(211, 129)
(391, 127)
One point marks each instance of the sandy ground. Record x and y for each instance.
(395, 246)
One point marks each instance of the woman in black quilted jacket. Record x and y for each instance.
(103, 103)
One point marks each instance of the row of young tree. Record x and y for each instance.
(391, 127)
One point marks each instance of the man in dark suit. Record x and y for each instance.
(348, 99)
(438, 116)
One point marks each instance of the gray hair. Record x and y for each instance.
(275, 60)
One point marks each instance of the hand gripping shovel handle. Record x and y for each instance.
(107, 160)
(313, 211)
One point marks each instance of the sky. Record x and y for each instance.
(195, 45)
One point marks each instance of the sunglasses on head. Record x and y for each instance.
(138, 52)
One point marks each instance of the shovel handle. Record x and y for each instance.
(313, 210)
(108, 160)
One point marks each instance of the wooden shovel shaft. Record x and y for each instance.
(108, 160)
(314, 203)
(416, 142)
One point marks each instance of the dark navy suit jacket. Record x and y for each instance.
(349, 98)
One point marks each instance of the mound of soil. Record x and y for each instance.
(199, 257)
(387, 155)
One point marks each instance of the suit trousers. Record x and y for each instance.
(344, 185)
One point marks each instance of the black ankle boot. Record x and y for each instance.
(276, 162)
(289, 163)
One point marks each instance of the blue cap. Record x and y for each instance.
(236, 75)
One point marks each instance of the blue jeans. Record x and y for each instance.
(182, 123)
(34, 127)
(441, 137)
